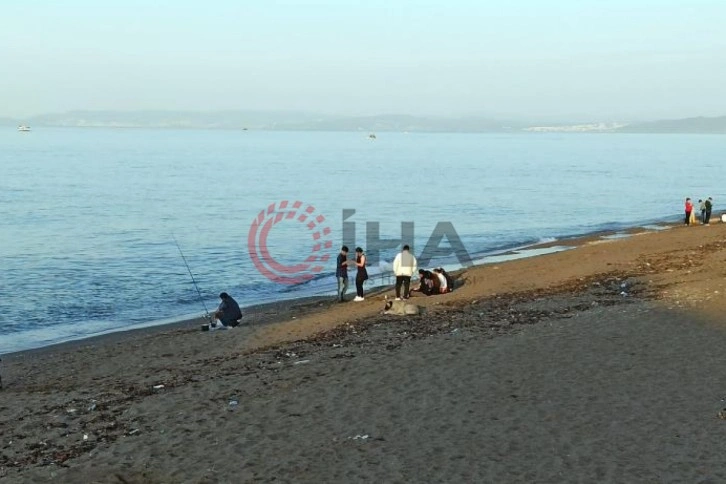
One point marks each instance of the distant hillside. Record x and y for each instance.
(688, 125)
(302, 121)
(9, 122)
(402, 123)
(173, 119)
(272, 120)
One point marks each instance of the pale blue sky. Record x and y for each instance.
(598, 59)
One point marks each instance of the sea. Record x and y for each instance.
(105, 230)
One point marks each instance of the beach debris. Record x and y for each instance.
(133, 432)
(85, 437)
(92, 406)
(359, 437)
(158, 387)
(301, 362)
(233, 403)
(722, 414)
(71, 410)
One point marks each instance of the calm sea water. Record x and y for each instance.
(88, 217)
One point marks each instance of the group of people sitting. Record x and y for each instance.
(437, 281)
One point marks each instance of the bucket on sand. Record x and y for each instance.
(205, 327)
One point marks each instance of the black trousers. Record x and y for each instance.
(688, 216)
(404, 281)
(359, 286)
(707, 217)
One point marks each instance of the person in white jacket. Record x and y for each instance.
(404, 266)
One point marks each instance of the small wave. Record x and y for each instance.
(546, 240)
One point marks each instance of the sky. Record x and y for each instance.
(587, 59)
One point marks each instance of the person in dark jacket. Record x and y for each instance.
(708, 206)
(341, 272)
(228, 313)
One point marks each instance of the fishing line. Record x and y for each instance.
(206, 311)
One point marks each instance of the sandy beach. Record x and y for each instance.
(603, 363)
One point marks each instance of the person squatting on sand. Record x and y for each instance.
(689, 211)
(448, 280)
(341, 272)
(404, 266)
(228, 313)
(362, 274)
(429, 283)
(434, 282)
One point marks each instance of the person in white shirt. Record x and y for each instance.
(444, 287)
(404, 266)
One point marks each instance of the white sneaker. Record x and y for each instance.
(397, 299)
(358, 299)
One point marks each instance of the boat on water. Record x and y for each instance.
(23, 127)
(371, 136)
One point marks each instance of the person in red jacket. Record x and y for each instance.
(689, 209)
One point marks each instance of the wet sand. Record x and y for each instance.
(601, 363)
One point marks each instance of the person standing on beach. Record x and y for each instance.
(709, 206)
(689, 211)
(404, 266)
(702, 208)
(228, 311)
(362, 274)
(341, 272)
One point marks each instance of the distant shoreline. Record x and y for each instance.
(269, 312)
(293, 121)
(534, 130)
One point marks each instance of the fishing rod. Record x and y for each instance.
(206, 311)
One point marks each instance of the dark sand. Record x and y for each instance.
(604, 363)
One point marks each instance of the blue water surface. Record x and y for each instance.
(89, 216)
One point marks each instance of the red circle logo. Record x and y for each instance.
(298, 212)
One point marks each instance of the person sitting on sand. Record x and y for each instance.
(448, 285)
(228, 313)
(443, 288)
